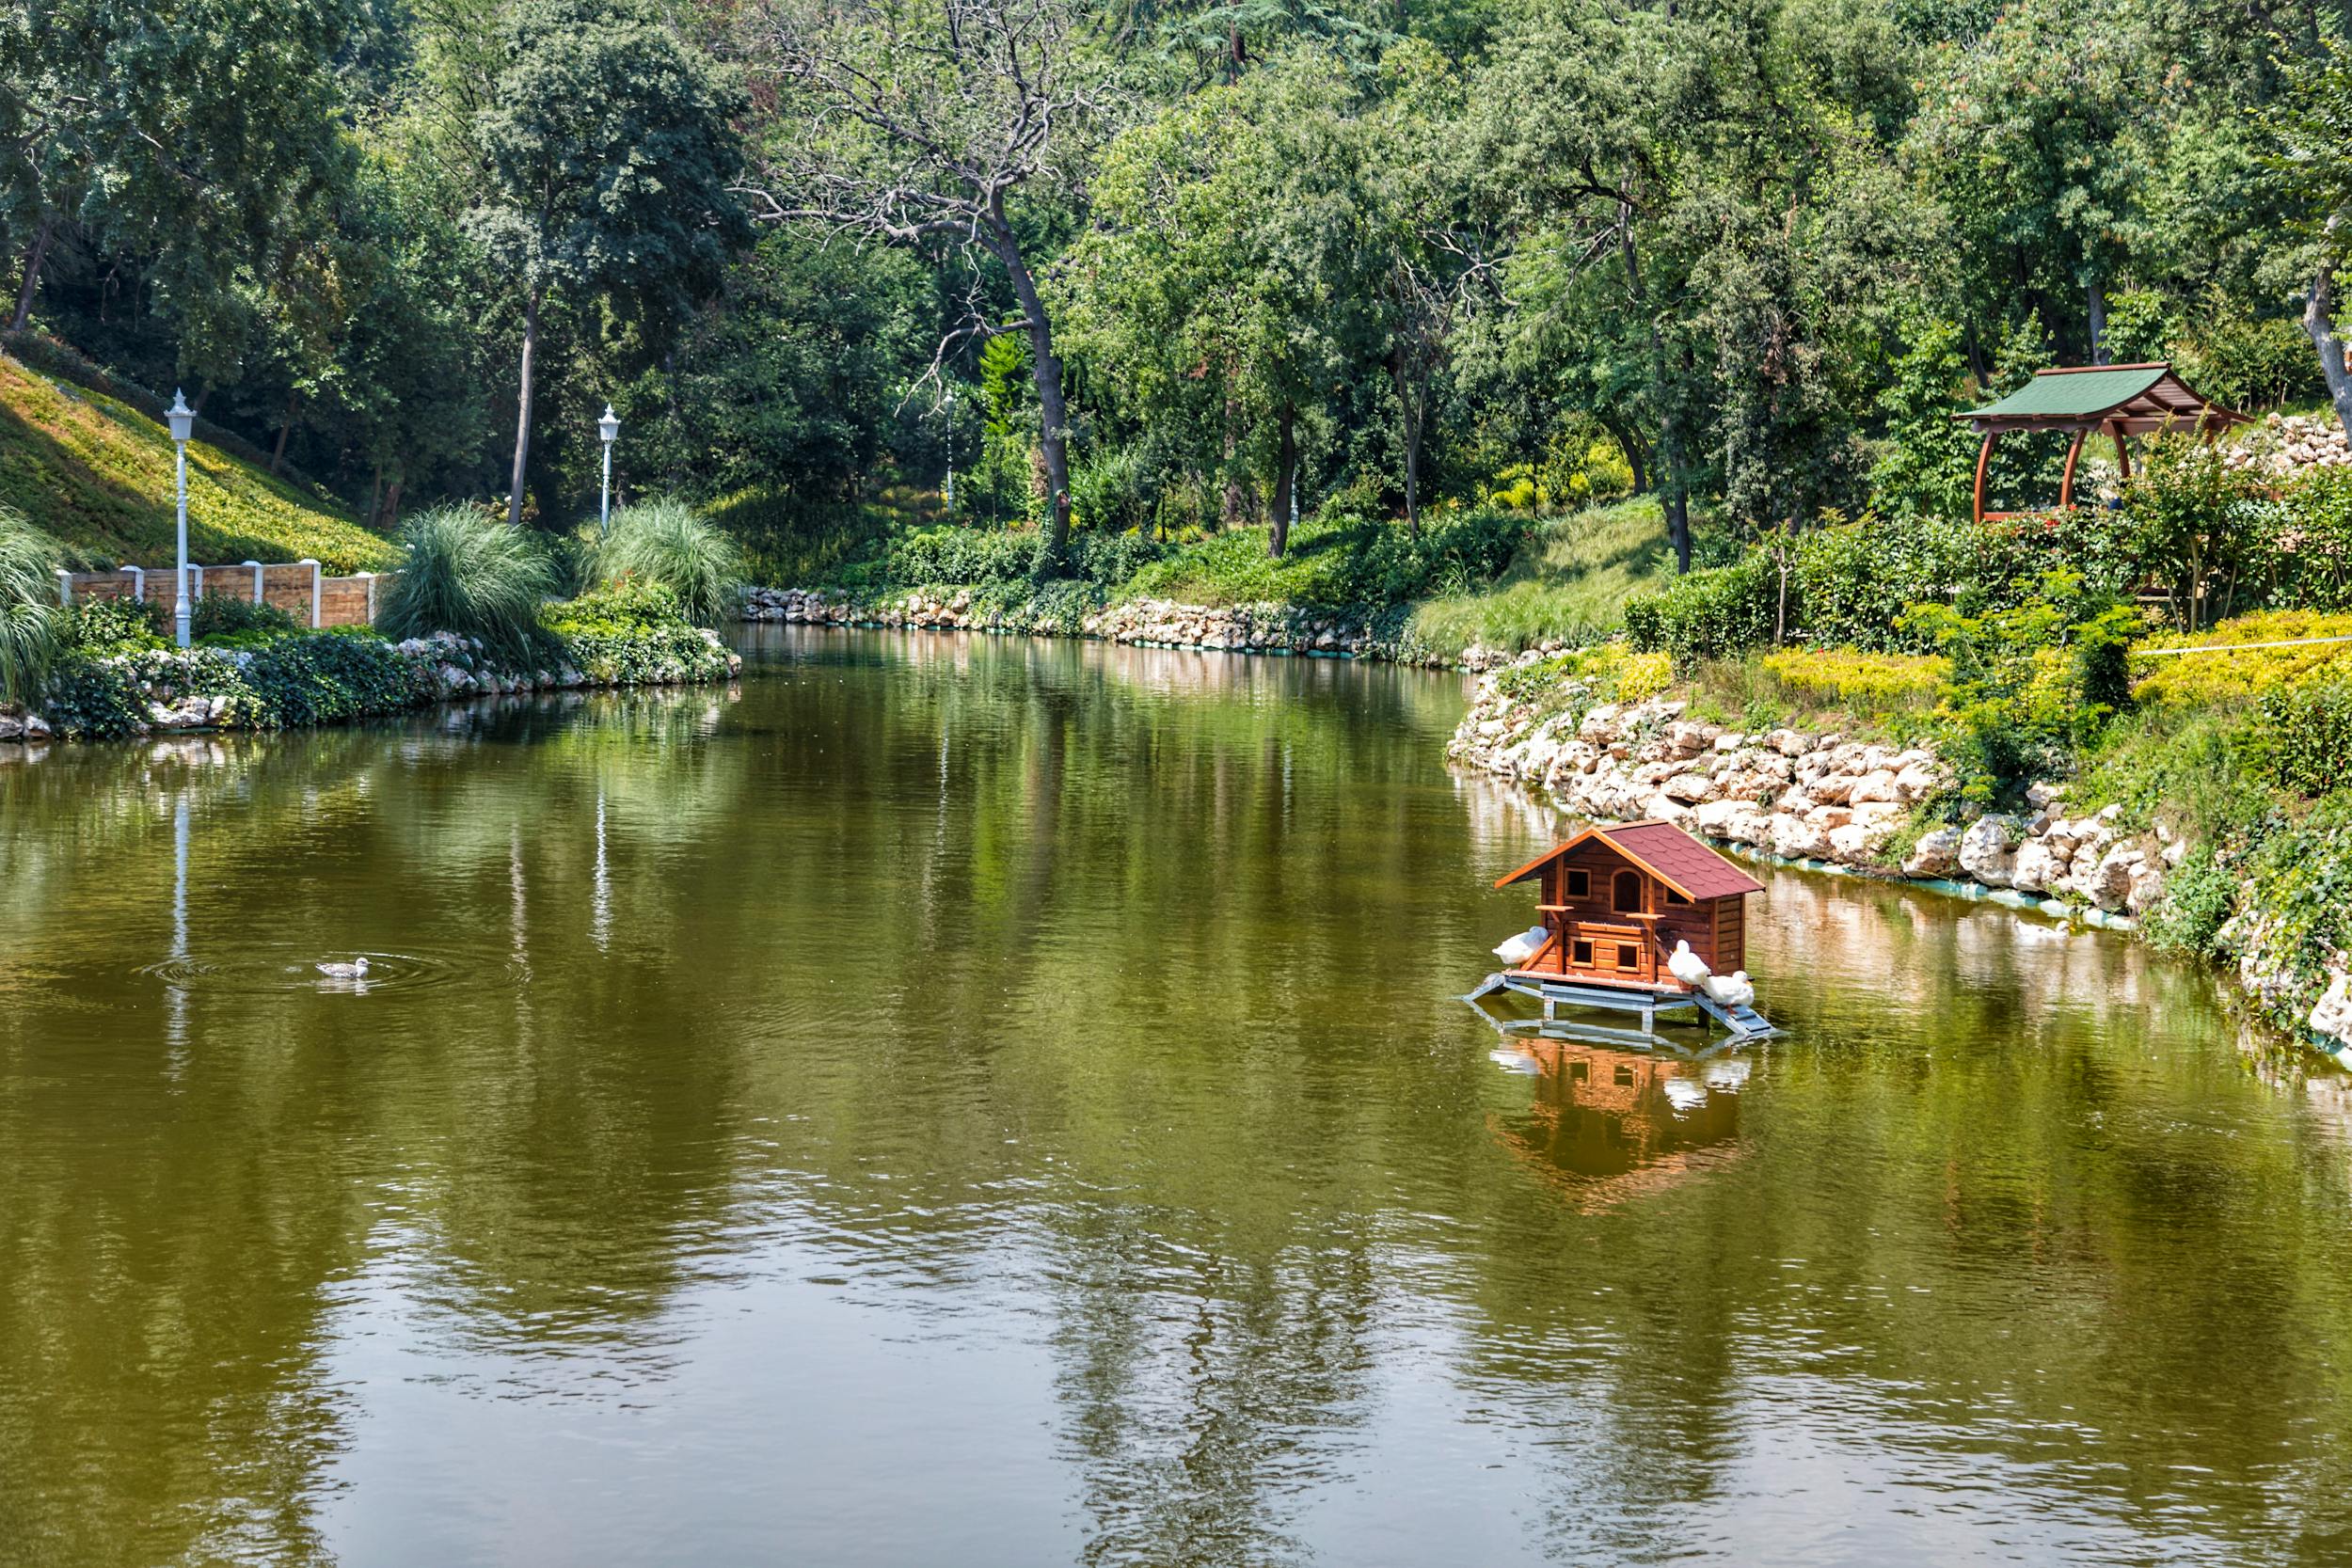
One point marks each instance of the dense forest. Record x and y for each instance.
(1169, 268)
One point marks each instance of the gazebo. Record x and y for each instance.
(2120, 401)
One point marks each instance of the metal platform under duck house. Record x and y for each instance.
(1654, 1007)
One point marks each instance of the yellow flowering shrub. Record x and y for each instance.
(2226, 679)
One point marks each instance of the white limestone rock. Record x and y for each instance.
(1988, 849)
(1936, 854)
(2035, 869)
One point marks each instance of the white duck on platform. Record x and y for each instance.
(1516, 950)
(1689, 968)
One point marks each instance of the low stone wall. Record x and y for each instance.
(300, 588)
(1818, 799)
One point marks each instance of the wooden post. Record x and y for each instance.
(2074, 454)
(2122, 453)
(1984, 461)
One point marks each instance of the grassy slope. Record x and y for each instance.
(96, 475)
(1569, 582)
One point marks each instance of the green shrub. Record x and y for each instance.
(1709, 615)
(664, 542)
(2314, 554)
(2198, 900)
(2028, 685)
(31, 629)
(631, 632)
(464, 574)
(961, 557)
(326, 677)
(94, 698)
(2302, 736)
(101, 627)
(223, 616)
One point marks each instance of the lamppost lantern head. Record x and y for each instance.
(610, 426)
(182, 417)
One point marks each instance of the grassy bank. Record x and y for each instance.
(95, 473)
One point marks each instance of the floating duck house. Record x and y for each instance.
(1613, 903)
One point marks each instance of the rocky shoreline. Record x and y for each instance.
(1826, 803)
(1819, 801)
(1252, 628)
(442, 668)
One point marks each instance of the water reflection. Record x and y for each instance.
(1034, 1070)
(1609, 1125)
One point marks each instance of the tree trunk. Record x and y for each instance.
(285, 428)
(1231, 505)
(1285, 483)
(522, 413)
(1669, 429)
(2319, 321)
(33, 259)
(1410, 403)
(376, 494)
(2098, 301)
(1053, 413)
(391, 504)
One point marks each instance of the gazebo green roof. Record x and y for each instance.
(2134, 399)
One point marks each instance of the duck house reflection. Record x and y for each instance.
(1606, 1125)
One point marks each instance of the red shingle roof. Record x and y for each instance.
(1667, 852)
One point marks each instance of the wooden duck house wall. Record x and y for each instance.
(1613, 916)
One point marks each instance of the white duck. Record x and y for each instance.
(1519, 948)
(1737, 992)
(356, 969)
(1687, 966)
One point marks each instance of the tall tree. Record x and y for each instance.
(929, 125)
(607, 155)
(1213, 296)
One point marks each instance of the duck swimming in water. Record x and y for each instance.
(356, 969)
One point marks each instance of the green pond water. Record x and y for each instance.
(964, 1102)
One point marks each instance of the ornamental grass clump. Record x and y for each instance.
(31, 627)
(665, 543)
(463, 573)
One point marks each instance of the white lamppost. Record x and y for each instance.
(610, 428)
(951, 407)
(182, 419)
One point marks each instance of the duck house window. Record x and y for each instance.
(1579, 884)
(1627, 957)
(1583, 954)
(1674, 897)
(1625, 892)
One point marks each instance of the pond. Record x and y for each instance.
(990, 1102)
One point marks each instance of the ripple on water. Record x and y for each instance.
(254, 973)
